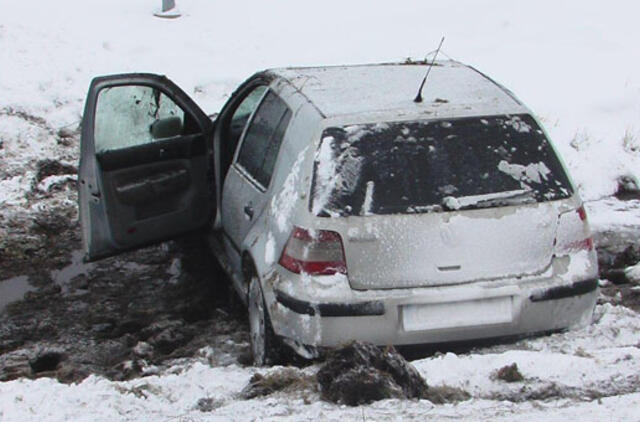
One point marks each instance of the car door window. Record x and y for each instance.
(243, 112)
(263, 137)
(132, 115)
(266, 170)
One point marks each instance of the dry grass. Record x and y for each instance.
(288, 380)
(630, 141)
(509, 373)
(446, 394)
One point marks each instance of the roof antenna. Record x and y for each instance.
(418, 98)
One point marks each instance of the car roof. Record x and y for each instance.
(452, 88)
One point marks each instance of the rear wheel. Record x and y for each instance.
(264, 344)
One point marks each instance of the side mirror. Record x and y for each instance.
(166, 128)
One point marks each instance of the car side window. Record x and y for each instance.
(243, 112)
(262, 141)
(131, 115)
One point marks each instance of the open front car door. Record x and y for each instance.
(145, 164)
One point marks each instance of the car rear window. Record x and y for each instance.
(432, 166)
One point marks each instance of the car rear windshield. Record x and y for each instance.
(433, 166)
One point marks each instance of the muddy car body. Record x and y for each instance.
(341, 209)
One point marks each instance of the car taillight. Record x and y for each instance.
(577, 246)
(573, 233)
(318, 252)
(582, 213)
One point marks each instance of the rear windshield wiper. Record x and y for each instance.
(513, 197)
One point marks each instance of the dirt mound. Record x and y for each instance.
(627, 188)
(509, 373)
(361, 373)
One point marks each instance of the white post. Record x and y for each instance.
(168, 5)
(169, 10)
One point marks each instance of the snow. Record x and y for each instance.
(175, 269)
(452, 89)
(283, 202)
(516, 196)
(451, 203)
(611, 213)
(599, 360)
(633, 273)
(270, 249)
(325, 173)
(574, 64)
(368, 198)
(13, 190)
(534, 172)
(580, 262)
(48, 182)
(518, 124)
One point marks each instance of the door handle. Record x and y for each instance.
(248, 211)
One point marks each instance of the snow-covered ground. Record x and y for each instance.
(588, 374)
(574, 63)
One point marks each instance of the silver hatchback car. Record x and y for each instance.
(343, 210)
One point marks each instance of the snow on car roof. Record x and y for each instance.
(452, 87)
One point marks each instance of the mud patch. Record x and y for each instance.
(361, 373)
(619, 287)
(42, 241)
(627, 295)
(13, 289)
(47, 361)
(49, 167)
(123, 317)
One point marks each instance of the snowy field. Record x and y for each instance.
(574, 63)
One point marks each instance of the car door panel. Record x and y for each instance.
(162, 150)
(234, 194)
(135, 189)
(234, 201)
(251, 172)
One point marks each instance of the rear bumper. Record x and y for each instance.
(389, 317)
(376, 308)
(369, 308)
(578, 288)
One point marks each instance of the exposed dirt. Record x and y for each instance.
(509, 373)
(361, 373)
(627, 188)
(536, 390)
(622, 294)
(122, 317)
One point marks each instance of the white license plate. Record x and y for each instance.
(435, 316)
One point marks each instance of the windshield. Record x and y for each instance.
(430, 166)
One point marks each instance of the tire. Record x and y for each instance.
(264, 343)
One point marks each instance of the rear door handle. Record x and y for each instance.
(248, 211)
